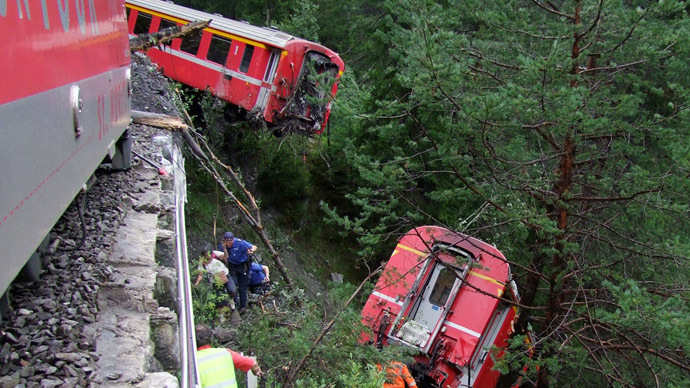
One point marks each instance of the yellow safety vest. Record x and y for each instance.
(216, 368)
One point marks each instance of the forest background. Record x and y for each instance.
(556, 130)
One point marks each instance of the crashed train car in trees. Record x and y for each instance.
(449, 297)
(288, 82)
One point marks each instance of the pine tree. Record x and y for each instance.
(559, 132)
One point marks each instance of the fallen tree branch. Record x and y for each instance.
(171, 123)
(158, 120)
(146, 41)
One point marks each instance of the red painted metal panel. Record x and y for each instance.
(51, 44)
(64, 88)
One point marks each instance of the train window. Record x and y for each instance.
(247, 58)
(442, 288)
(143, 23)
(165, 23)
(270, 69)
(191, 42)
(218, 50)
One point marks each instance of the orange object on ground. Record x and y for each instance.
(397, 375)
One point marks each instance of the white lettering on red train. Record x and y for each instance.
(64, 13)
(102, 125)
(63, 10)
(46, 19)
(81, 16)
(118, 103)
(26, 5)
(118, 108)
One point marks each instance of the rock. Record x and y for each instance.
(65, 331)
(158, 380)
(50, 304)
(19, 322)
(76, 296)
(43, 291)
(5, 352)
(336, 277)
(165, 288)
(27, 371)
(71, 382)
(46, 383)
(70, 370)
(10, 381)
(10, 338)
(69, 357)
(83, 363)
(224, 335)
(164, 332)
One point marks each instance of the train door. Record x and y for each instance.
(430, 307)
(487, 340)
(245, 89)
(269, 75)
(435, 296)
(218, 52)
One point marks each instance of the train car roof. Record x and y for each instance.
(269, 36)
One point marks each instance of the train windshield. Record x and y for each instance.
(314, 88)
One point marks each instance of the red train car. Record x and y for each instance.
(64, 106)
(288, 82)
(447, 296)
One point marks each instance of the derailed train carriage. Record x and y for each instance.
(289, 83)
(446, 295)
(64, 107)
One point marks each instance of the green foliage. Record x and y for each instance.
(282, 337)
(302, 20)
(357, 30)
(571, 158)
(283, 178)
(203, 206)
(662, 318)
(214, 123)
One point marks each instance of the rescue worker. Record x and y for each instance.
(397, 375)
(259, 279)
(217, 365)
(236, 255)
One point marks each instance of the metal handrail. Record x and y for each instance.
(190, 373)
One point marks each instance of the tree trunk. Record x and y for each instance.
(146, 41)
(563, 186)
